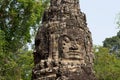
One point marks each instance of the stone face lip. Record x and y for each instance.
(63, 44)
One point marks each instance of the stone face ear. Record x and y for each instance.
(63, 44)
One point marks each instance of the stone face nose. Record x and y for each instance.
(73, 47)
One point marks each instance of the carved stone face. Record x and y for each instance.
(72, 45)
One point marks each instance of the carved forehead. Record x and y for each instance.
(73, 33)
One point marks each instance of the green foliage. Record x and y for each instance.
(25, 63)
(110, 42)
(16, 67)
(113, 44)
(118, 34)
(118, 20)
(8, 67)
(107, 66)
(17, 19)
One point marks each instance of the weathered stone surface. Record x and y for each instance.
(63, 44)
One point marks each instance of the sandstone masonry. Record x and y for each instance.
(63, 44)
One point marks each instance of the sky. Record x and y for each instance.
(101, 18)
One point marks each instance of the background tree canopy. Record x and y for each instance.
(19, 19)
(113, 41)
(107, 62)
(107, 66)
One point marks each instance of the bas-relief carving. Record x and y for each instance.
(70, 52)
(71, 46)
(63, 45)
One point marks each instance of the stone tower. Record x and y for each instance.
(63, 44)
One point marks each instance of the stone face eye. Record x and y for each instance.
(63, 43)
(66, 39)
(77, 39)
